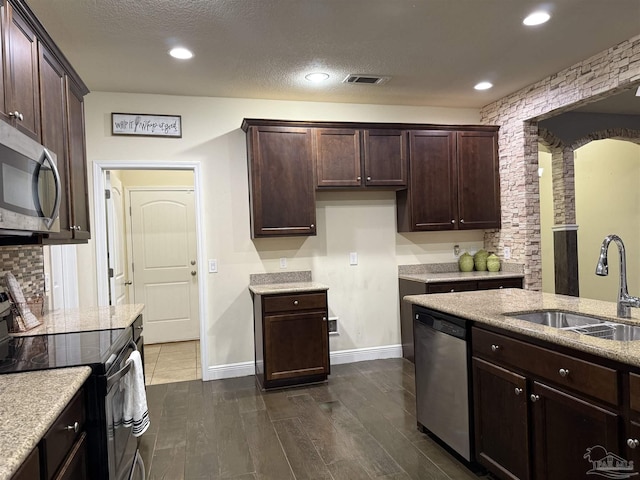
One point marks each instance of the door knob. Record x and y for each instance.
(193, 262)
(128, 283)
(193, 272)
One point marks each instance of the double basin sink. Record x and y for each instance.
(583, 324)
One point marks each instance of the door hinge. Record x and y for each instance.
(110, 272)
(107, 194)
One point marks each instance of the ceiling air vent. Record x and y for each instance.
(366, 79)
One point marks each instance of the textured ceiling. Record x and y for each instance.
(434, 50)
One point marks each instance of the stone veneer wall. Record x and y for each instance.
(27, 265)
(607, 73)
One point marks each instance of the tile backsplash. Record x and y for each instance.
(27, 265)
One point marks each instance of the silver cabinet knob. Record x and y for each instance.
(358, 178)
(324, 319)
(295, 302)
(564, 372)
(368, 179)
(452, 290)
(462, 220)
(17, 115)
(534, 398)
(453, 221)
(518, 391)
(632, 442)
(73, 428)
(495, 348)
(193, 273)
(312, 226)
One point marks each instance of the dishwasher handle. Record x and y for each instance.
(456, 328)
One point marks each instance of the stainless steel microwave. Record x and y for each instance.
(30, 188)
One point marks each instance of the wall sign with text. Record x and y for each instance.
(146, 125)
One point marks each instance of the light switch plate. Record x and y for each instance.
(283, 262)
(213, 265)
(353, 258)
(507, 253)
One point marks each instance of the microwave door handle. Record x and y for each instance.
(56, 176)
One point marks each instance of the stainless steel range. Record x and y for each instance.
(112, 449)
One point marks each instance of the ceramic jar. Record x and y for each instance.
(493, 263)
(480, 260)
(465, 262)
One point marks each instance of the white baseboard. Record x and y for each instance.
(339, 357)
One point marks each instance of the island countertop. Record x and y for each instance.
(491, 306)
(29, 404)
(86, 319)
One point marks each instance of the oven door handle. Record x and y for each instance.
(112, 379)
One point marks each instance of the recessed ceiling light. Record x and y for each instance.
(181, 53)
(317, 77)
(536, 18)
(483, 86)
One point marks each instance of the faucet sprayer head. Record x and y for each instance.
(602, 268)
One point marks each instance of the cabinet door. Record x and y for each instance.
(75, 465)
(337, 154)
(296, 345)
(21, 72)
(570, 434)
(385, 158)
(30, 469)
(501, 424)
(478, 180)
(281, 183)
(54, 131)
(79, 199)
(433, 180)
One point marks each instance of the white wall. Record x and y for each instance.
(607, 189)
(365, 297)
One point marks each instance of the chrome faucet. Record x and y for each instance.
(625, 301)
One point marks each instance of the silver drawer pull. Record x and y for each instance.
(633, 442)
(564, 372)
(75, 427)
(534, 398)
(495, 348)
(295, 302)
(518, 391)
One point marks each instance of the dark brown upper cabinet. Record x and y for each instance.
(281, 185)
(356, 158)
(453, 181)
(20, 65)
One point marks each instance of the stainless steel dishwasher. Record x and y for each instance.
(442, 378)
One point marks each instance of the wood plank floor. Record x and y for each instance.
(361, 425)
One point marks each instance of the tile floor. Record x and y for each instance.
(172, 362)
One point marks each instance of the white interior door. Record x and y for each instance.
(164, 263)
(117, 254)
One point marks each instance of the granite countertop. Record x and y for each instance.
(457, 276)
(284, 282)
(86, 319)
(29, 404)
(489, 306)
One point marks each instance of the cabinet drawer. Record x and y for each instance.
(292, 303)
(452, 287)
(499, 283)
(75, 465)
(585, 377)
(58, 441)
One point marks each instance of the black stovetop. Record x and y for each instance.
(95, 348)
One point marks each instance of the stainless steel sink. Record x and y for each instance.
(582, 324)
(556, 318)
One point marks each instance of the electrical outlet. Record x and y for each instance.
(283, 262)
(353, 258)
(332, 325)
(213, 265)
(506, 253)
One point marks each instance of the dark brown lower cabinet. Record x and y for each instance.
(30, 469)
(535, 415)
(501, 426)
(75, 465)
(291, 338)
(570, 433)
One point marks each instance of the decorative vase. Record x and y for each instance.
(493, 263)
(480, 260)
(465, 262)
